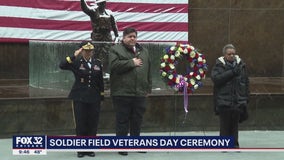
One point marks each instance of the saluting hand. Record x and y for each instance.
(77, 52)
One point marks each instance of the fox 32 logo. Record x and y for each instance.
(29, 142)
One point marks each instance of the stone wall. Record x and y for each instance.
(254, 27)
(54, 116)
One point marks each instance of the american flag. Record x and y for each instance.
(63, 20)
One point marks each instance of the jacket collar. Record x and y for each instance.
(137, 46)
(222, 59)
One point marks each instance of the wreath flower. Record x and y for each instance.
(191, 79)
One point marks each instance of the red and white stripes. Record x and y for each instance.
(159, 21)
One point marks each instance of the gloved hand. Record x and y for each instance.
(237, 70)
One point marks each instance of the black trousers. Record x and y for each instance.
(86, 118)
(229, 124)
(129, 114)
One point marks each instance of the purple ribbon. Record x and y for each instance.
(185, 100)
(183, 84)
(185, 95)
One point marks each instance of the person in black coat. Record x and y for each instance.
(231, 91)
(87, 91)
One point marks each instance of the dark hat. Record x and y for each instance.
(87, 45)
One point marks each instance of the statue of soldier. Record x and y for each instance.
(103, 22)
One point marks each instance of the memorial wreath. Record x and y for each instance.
(196, 70)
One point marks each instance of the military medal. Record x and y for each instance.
(96, 68)
(82, 67)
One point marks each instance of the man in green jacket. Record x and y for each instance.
(130, 82)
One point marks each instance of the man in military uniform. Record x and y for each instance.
(87, 91)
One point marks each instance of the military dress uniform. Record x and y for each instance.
(86, 93)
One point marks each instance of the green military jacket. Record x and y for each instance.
(125, 78)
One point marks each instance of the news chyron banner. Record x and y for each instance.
(29, 145)
(40, 145)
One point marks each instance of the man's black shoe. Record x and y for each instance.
(80, 154)
(91, 154)
(123, 153)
